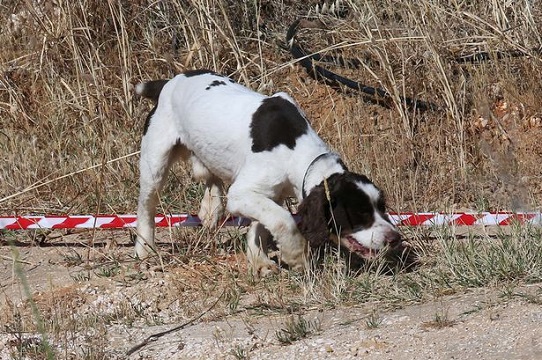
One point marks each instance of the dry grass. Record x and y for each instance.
(70, 131)
(67, 107)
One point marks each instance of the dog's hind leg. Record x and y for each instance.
(157, 156)
(258, 242)
(212, 207)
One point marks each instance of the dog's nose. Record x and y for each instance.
(393, 239)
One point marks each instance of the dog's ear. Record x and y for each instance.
(313, 224)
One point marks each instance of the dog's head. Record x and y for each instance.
(348, 208)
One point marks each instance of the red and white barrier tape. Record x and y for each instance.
(130, 221)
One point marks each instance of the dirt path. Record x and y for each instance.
(476, 330)
(479, 324)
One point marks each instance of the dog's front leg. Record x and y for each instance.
(258, 239)
(277, 220)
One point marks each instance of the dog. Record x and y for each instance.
(266, 149)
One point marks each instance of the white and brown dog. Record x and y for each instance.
(265, 147)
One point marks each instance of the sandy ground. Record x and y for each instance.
(478, 324)
(478, 331)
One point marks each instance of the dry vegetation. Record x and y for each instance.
(67, 105)
(70, 130)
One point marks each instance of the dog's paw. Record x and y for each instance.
(295, 253)
(267, 270)
(143, 250)
(299, 265)
(297, 261)
(210, 215)
(262, 268)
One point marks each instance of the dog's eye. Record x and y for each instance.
(365, 217)
(351, 213)
(360, 219)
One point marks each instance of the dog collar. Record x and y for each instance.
(303, 192)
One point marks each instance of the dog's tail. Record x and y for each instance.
(150, 89)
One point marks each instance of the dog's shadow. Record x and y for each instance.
(394, 261)
(391, 262)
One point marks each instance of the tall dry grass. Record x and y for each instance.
(70, 126)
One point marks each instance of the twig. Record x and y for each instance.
(307, 60)
(16, 260)
(319, 72)
(156, 336)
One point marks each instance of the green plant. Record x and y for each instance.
(73, 259)
(239, 352)
(373, 320)
(81, 276)
(296, 328)
(108, 271)
(440, 320)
